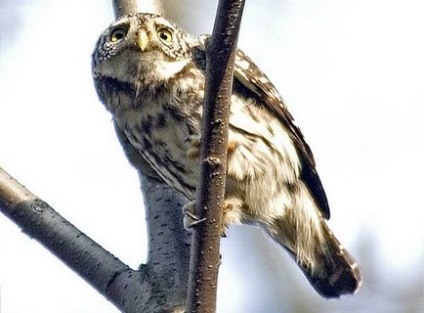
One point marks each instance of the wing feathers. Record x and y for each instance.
(251, 77)
(257, 83)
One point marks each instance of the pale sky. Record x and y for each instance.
(351, 73)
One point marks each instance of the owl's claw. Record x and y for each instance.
(190, 218)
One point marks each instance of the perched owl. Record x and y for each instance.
(151, 76)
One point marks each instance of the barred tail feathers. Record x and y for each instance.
(330, 269)
(337, 273)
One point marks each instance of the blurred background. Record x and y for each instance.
(352, 75)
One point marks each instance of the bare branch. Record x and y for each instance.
(97, 266)
(205, 256)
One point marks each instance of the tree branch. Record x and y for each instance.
(102, 270)
(205, 256)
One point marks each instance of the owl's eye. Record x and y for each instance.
(118, 34)
(165, 34)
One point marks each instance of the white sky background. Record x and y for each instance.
(351, 72)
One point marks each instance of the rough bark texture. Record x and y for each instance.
(205, 256)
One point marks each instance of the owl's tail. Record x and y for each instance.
(334, 272)
(330, 269)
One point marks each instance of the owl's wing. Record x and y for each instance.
(251, 77)
(260, 87)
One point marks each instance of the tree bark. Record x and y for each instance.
(106, 273)
(205, 256)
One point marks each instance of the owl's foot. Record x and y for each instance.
(230, 215)
(194, 146)
(190, 217)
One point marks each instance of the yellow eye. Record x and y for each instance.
(118, 34)
(165, 34)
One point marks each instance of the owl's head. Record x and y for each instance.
(141, 45)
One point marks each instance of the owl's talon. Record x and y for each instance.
(190, 218)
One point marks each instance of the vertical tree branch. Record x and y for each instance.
(205, 256)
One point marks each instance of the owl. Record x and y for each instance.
(150, 75)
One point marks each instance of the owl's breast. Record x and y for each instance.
(160, 130)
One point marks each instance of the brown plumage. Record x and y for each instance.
(150, 75)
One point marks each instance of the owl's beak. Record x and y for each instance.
(142, 40)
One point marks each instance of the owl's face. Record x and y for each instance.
(140, 45)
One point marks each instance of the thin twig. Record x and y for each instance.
(205, 256)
